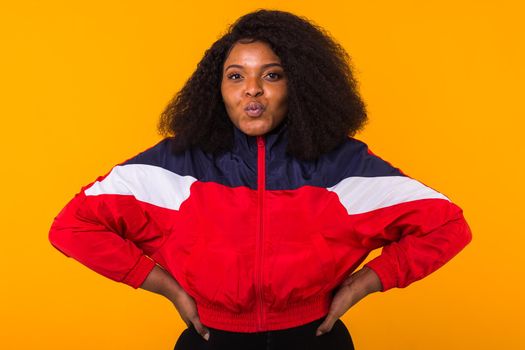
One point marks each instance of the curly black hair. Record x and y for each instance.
(324, 106)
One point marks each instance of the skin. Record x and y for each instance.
(357, 286)
(162, 282)
(252, 72)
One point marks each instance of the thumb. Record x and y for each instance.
(326, 326)
(203, 331)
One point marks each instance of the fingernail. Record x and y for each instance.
(207, 336)
(319, 332)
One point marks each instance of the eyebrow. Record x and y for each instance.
(264, 66)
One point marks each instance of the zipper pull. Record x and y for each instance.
(260, 141)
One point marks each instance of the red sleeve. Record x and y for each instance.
(109, 233)
(419, 237)
(419, 228)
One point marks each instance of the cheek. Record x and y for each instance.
(229, 97)
(282, 99)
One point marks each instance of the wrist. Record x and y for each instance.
(372, 281)
(365, 280)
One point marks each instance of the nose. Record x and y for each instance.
(253, 87)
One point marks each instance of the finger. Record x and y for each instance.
(327, 325)
(203, 331)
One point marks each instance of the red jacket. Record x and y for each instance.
(259, 239)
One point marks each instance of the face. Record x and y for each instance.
(254, 88)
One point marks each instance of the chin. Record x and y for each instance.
(255, 131)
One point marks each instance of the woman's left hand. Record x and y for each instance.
(353, 289)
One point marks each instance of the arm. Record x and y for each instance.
(419, 241)
(110, 227)
(412, 252)
(115, 224)
(353, 289)
(104, 233)
(161, 282)
(419, 229)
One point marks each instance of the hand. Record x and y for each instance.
(161, 282)
(187, 309)
(353, 289)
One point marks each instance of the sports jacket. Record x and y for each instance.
(259, 239)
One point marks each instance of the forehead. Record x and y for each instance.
(251, 53)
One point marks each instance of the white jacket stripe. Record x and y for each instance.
(147, 183)
(363, 194)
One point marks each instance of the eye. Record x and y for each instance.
(234, 76)
(274, 76)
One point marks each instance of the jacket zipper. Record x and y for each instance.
(261, 180)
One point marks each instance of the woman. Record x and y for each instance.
(254, 212)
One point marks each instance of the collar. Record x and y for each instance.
(274, 139)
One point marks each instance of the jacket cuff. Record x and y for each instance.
(385, 271)
(138, 274)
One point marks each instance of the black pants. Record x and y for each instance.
(301, 338)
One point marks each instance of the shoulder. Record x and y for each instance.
(154, 155)
(354, 158)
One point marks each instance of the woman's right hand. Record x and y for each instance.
(187, 309)
(161, 282)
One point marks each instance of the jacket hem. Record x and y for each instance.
(217, 317)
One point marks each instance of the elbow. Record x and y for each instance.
(62, 231)
(57, 237)
(462, 235)
(460, 227)
(467, 233)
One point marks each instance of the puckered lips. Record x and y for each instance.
(254, 108)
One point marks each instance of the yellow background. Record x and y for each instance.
(83, 83)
